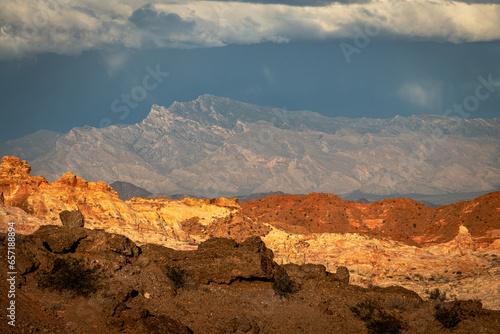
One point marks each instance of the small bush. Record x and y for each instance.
(365, 309)
(177, 275)
(70, 274)
(283, 285)
(437, 295)
(384, 323)
(396, 302)
(448, 317)
(377, 320)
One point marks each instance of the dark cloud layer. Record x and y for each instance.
(148, 18)
(301, 3)
(492, 2)
(62, 66)
(29, 28)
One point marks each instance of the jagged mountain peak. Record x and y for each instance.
(233, 147)
(210, 110)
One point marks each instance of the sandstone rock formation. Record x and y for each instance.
(143, 220)
(395, 241)
(399, 219)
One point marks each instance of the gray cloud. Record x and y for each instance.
(148, 18)
(28, 28)
(492, 2)
(301, 3)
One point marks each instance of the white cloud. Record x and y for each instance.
(70, 26)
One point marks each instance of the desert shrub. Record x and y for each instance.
(70, 274)
(177, 275)
(377, 320)
(384, 323)
(448, 317)
(396, 302)
(283, 285)
(437, 295)
(365, 309)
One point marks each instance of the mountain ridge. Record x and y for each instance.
(214, 146)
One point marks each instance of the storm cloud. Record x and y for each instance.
(63, 27)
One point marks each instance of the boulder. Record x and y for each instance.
(305, 271)
(217, 245)
(316, 272)
(342, 274)
(222, 260)
(59, 240)
(72, 219)
(243, 325)
(219, 260)
(110, 247)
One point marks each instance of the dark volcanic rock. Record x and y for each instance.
(72, 219)
(134, 294)
(316, 272)
(220, 260)
(305, 271)
(59, 240)
(50, 240)
(243, 325)
(217, 245)
(342, 274)
(223, 261)
(161, 324)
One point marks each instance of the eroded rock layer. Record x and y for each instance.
(396, 241)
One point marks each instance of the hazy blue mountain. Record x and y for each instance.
(127, 190)
(31, 146)
(215, 146)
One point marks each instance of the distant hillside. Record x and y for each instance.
(31, 146)
(400, 219)
(253, 197)
(127, 190)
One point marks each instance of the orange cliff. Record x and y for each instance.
(31, 201)
(399, 219)
(193, 220)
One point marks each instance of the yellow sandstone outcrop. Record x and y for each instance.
(142, 220)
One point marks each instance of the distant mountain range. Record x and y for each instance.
(127, 190)
(216, 146)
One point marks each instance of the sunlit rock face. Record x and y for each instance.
(455, 248)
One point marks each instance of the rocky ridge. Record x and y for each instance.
(455, 247)
(156, 221)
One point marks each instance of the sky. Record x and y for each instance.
(68, 63)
